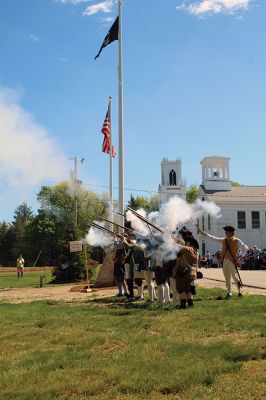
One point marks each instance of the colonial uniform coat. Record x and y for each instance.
(185, 269)
(230, 247)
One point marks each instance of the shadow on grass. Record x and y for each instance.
(126, 303)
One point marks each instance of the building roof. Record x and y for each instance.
(237, 194)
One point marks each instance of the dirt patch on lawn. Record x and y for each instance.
(72, 294)
(56, 293)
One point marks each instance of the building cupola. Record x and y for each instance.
(215, 173)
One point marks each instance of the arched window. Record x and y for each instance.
(172, 178)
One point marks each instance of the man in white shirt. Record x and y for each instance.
(231, 246)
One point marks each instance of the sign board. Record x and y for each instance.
(75, 246)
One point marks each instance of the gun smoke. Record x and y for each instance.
(171, 217)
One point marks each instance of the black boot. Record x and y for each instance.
(193, 290)
(190, 303)
(183, 304)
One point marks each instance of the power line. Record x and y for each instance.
(128, 189)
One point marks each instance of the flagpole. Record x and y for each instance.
(120, 114)
(111, 164)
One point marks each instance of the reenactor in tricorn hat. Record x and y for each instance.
(230, 247)
(185, 270)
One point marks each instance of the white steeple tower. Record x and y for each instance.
(215, 173)
(172, 183)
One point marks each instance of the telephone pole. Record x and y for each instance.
(75, 179)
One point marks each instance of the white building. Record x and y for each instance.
(242, 206)
(172, 183)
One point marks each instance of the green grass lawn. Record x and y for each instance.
(108, 349)
(30, 279)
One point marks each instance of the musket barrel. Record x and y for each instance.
(158, 228)
(119, 213)
(107, 230)
(120, 226)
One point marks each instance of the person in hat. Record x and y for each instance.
(230, 247)
(185, 270)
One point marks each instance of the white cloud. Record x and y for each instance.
(108, 20)
(105, 6)
(204, 7)
(34, 37)
(28, 154)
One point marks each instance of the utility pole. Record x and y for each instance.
(75, 179)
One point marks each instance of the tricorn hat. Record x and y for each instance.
(184, 232)
(194, 243)
(229, 228)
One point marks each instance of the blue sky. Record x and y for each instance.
(194, 86)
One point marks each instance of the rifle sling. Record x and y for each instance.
(229, 251)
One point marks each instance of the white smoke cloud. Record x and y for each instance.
(176, 211)
(139, 227)
(203, 7)
(96, 237)
(28, 154)
(173, 215)
(206, 207)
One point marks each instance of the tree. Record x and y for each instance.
(22, 216)
(40, 235)
(235, 184)
(154, 203)
(143, 202)
(192, 194)
(53, 227)
(7, 240)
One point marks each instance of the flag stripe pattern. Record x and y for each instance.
(106, 131)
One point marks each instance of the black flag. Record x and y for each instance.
(111, 36)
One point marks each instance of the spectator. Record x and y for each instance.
(20, 266)
(208, 257)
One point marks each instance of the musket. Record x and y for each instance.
(155, 226)
(146, 221)
(239, 277)
(120, 226)
(107, 230)
(119, 213)
(235, 263)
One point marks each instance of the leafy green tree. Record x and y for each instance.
(53, 227)
(143, 202)
(192, 194)
(235, 184)
(154, 203)
(7, 240)
(40, 236)
(22, 216)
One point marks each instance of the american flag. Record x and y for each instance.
(106, 131)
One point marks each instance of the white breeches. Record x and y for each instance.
(229, 271)
(151, 289)
(175, 293)
(122, 287)
(164, 292)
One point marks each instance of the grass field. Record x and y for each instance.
(107, 349)
(30, 278)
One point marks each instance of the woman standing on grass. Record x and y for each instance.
(20, 266)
